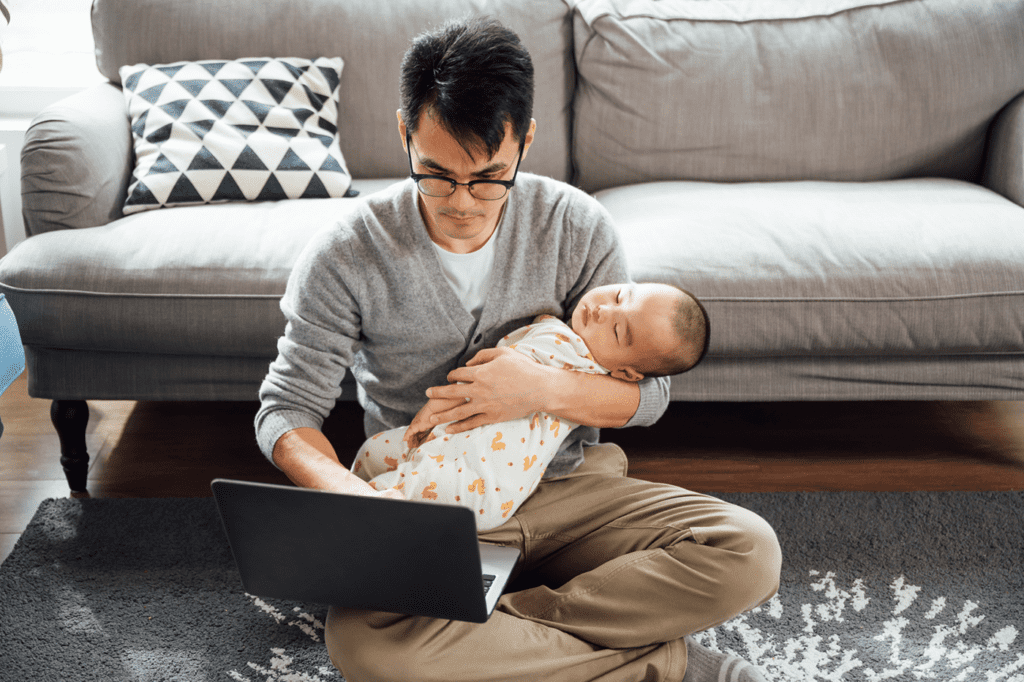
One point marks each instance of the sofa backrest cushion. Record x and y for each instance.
(370, 35)
(817, 89)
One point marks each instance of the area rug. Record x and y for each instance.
(875, 586)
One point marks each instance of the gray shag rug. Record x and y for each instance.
(875, 586)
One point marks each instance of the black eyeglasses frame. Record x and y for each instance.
(507, 184)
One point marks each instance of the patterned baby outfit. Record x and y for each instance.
(491, 469)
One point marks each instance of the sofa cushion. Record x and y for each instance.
(815, 90)
(164, 281)
(370, 35)
(922, 267)
(240, 130)
(1004, 167)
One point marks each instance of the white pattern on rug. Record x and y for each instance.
(280, 667)
(960, 635)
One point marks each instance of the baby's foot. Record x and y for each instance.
(705, 665)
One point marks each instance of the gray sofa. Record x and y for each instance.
(840, 181)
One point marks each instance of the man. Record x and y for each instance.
(411, 293)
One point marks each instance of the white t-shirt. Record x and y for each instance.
(469, 274)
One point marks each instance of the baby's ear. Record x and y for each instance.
(627, 374)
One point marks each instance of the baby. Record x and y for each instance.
(629, 331)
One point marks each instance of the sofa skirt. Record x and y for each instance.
(58, 374)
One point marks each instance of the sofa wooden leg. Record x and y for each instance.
(70, 417)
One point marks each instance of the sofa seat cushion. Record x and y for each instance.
(917, 267)
(198, 280)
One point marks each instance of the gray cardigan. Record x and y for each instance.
(368, 295)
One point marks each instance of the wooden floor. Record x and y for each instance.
(167, 449)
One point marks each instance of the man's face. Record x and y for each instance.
(460, 223)
(627, 326)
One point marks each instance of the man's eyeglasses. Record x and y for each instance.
(440, 186)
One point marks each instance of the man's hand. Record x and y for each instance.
(353, 485)
(389, 493)
(309, 460)
(503, 384)
(500, 383)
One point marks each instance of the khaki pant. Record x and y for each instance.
(616, 572)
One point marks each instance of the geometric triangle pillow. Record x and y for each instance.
(234, 130)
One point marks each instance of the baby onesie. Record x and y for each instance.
(490, 469)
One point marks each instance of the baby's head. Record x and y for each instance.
(642, 330)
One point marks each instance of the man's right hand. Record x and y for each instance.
(350, 484)
(309, 460)
(391, 493)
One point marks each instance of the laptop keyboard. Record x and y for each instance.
(488, 581)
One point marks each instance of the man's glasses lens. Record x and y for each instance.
(440, 187)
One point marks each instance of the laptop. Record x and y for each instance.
(416, 558)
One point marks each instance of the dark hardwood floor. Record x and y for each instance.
(168, 449)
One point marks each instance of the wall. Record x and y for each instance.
(10, 183)
(47, 55)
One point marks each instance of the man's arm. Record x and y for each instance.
(309, 460)
(503, 384)
(593, 399)
(303, 384)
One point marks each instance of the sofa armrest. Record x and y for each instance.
(1004, 165)
(76, 162)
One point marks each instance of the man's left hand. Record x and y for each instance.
(500, 383)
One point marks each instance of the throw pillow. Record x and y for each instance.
(234, 130)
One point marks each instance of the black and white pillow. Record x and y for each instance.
(234, 130)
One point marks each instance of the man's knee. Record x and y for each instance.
(743, 562)
(758, 562)
(366, 647)
(352, 645)
(342, 646)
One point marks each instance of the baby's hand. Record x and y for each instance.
(421, 425)
(415, 439)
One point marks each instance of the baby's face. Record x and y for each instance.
(626, 326)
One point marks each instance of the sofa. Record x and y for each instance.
(841, 182)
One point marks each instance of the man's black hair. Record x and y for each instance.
(474, 75)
